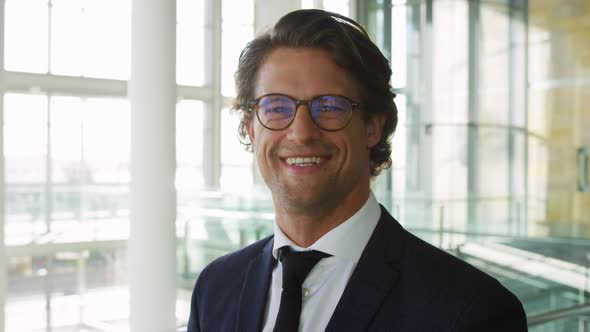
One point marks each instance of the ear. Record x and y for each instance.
(374, 129)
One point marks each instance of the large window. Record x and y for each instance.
(25, 150)
(237, 171)
(26, 38)
(190, 42)
(67, 154)
(66, 37)
(337, 6)
(458, 70)
(83, 45)
(68, 173)
(189, 145)
(237, 29)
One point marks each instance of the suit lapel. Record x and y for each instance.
(254, 294)
(373, 278)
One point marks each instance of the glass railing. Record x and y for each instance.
(548, 274)
(575, 318)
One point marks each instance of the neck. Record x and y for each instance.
(305, 226)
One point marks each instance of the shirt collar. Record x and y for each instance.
(346, 240)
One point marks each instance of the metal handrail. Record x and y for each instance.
(553, 239)
(548, 316)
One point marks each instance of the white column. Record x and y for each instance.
(212, 121)
(2, 187)
(152, 239)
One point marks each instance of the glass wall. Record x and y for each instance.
(460, 74)
(67, 147)
(484, 142)
(493, 162)
(559, 76)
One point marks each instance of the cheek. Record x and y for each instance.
(258, 148)
(263, 146)
(360, 140)
(255, 137)
(355, 146)
(360, 147)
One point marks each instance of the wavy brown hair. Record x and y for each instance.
(350, 47)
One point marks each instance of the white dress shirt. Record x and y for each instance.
(325, 283)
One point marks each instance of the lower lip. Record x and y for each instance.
(305, 169)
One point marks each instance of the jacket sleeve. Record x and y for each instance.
(193, 319)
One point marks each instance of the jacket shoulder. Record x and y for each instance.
(453, 292)
(234, 263)
(476, 300)
(218, 287)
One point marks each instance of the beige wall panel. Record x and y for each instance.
(559, 95)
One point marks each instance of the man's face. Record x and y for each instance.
(336, 169)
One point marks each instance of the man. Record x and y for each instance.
(317, 111)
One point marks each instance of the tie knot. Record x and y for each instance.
(297, 265)
(288, 254)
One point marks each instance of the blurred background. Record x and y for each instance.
(490, 158)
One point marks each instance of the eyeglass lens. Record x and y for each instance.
(328, 112)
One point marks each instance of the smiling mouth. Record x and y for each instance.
(304, 161)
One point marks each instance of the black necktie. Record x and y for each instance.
(296, 267)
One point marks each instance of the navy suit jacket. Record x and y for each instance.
(400, 283)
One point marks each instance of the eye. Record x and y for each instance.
(331, 108)
(277, 110)
(331, 104)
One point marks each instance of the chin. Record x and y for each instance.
(305, 200)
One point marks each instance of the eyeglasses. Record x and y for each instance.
(328, 112)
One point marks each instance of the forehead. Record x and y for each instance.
(304, 73)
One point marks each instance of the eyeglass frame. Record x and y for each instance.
(254, 106)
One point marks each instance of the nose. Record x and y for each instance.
(303, 129)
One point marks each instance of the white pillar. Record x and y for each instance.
(152, 239)
(2, 248)
(212, 121)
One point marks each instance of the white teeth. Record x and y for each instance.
(303, 162)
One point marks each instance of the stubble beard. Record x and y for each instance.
(304, 200)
